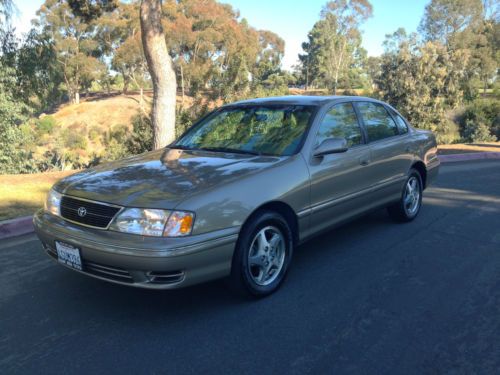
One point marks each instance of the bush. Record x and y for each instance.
(141, 138)
(73, 140)
(477, 132)
(94, 133)
(115, 150)
(448, 133)
(480, 121)
(46, 125)
(118, 133)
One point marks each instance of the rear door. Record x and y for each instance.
(390, 159)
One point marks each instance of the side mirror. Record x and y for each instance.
(331, 146)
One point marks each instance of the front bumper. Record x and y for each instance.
(147, 262)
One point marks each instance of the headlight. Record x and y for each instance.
(153, 222)
(53, 202)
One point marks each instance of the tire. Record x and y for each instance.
(410, 202)
(262, 256)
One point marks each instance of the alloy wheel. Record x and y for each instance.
(267, 255)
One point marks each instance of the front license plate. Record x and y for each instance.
(69, 255)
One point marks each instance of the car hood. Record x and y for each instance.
(162, 178)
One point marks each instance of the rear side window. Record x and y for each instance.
(378, 123)
(340, 122)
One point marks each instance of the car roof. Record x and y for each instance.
(300, 100)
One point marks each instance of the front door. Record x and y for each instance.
(339, 181)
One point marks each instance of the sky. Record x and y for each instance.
(292, 20)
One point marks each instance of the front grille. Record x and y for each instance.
(96, 215)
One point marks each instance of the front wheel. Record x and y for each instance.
(262, 255)
(408, 206)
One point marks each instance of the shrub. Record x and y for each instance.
(73, 140)
(118, 133)
(46, 125)
(477, 132)
(480, 121)
(114, 150)
(94, 133)
(448, 133)
(141, 138)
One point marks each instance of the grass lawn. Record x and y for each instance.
(22, 195)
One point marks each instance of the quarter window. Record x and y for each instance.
(340, 122)
(378, 123)
(403, 128)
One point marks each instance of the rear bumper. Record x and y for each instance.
(147, 262)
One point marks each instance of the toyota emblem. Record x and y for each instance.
(82, 211)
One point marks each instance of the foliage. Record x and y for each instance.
(13, 157)
(74, 43)
(46, 125)
(468, 26)
(477, 132)
(73, 139)
(451, 21)
(141, 138)
(212, 49)
(6, 9)
(422, 81)
(92, 9)
(480, 121)
(333, 52)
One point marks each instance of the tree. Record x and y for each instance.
(217, 52)
(6, 9)
(422, 81)
(130, 61)
(39, 76)
(334, 44)
(161, 71)
(451, 22)
(74, 42)
(90, 10)
(466, 25)
(13, 112)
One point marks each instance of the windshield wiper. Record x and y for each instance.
(231, 150)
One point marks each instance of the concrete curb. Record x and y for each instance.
(471, 156)
(24, 225)
(16, 227)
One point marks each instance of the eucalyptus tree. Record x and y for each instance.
(334, 47)
(75, 45)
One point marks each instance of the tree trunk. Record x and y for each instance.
(162, 73)
(182, 86)
(77, 97)
(126, 82)
(307, 78)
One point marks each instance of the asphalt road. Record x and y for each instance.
(371, 297)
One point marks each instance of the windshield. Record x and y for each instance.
(266, 130)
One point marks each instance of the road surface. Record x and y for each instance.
(371, 297)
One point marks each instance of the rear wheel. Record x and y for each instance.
(408, 206)
(262, 255)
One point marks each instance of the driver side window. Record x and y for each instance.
(340, 122)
